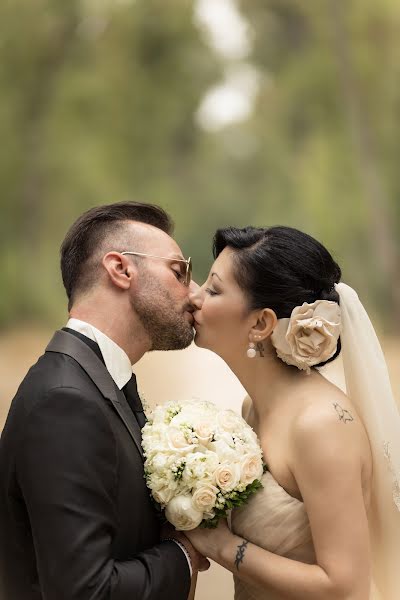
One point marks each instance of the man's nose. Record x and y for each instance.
(195, 295)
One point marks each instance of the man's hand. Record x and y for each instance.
(199, 562)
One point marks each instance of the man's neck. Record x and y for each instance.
(127, 333)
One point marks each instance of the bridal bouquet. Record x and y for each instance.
(200, 462)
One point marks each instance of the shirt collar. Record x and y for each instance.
(116, 360)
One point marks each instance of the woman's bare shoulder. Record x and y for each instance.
(327, 414)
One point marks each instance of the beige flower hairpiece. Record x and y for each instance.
(309, 336)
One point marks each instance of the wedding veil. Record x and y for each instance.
(368, 386)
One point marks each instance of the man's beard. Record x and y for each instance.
(165, 324)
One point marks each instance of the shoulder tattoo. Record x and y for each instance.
(241, 549)
(343, 414)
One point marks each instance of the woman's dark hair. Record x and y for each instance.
(280, 268)
(89, 236)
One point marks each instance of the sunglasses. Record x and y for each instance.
(187, 275)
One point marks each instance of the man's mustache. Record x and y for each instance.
(189, 308)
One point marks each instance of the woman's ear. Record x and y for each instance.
(266, 323)
(121, 271)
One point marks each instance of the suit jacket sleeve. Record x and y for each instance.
(66, 468)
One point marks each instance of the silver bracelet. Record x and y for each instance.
(184, 550)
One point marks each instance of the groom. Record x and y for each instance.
(76, 520)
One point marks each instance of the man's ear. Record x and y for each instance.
(121, 270)
(266, 323)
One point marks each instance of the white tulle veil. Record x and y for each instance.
(368, 385)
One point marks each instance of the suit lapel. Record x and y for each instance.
(65, 343)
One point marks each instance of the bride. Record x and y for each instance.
(326, 525)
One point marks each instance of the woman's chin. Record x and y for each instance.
(201, 344)
(197, 340)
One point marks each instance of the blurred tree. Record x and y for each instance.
(99, 100)
(329, 114)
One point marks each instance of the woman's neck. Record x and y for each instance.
(266, 379)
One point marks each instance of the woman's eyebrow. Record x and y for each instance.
(216, 275)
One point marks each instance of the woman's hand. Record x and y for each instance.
(210, 542)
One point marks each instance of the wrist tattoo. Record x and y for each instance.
(241, 549)
(343, 414)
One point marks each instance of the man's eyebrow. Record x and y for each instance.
(216, 275)
(177, 256)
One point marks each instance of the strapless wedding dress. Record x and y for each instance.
(277, 522)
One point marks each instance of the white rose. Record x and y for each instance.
(158, 415)
(159, 461)
(199, 467)
(227, 477)
(209, 515)
(250, 469)
(182, 514)
(224, 451)
(177, 440)
(156, 482)
(210, 462)
(153, 439)
(204, 498)
(250, 437)
(164, 495)
(206, 406)
(228, 420)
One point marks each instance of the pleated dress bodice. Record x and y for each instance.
(275, 521)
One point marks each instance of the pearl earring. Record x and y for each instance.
(251, 352)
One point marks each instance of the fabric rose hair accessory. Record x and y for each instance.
(200, 462)
(309, 336)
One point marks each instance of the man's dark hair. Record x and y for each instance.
(280, 268)
(98, 231)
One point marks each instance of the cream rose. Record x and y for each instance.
(204, 498)
(204, 431)
(310, 336)
(182, 514)
(227, 477)
(251, 468)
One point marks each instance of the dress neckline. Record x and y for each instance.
(280, 487)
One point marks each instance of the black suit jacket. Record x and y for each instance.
(76, 520)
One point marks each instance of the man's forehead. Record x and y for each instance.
(154, 240)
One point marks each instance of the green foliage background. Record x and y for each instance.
(98, 102)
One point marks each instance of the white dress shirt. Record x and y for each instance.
(116, 360)
(118, 365)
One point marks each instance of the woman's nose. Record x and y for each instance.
(195, 295)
